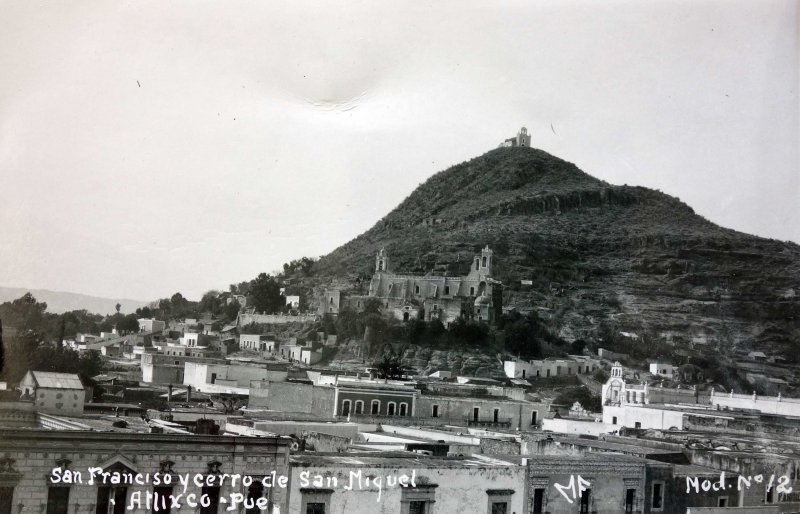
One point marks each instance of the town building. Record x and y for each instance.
(455, 484)
(131, 448)
(550, 367)
(255, 342)
(59, 393)
(224, 377)
(662, 369)
(190, 339)
(151, 325)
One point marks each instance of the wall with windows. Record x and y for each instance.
(577, 426)
(614, 484)
(67, 402)
(30, 456)
(451, 488)
(633, 416)
(460, 410)
(374, 402)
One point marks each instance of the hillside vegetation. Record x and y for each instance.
(602, 258)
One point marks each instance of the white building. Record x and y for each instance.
(256, 342)
(616, 391)
(151, 325)
(190, 339)
(627, 405)
(204, 376)
(309, 356)
(293, 301)
(662, 369)
(573, 365)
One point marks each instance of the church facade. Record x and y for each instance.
(475, 296)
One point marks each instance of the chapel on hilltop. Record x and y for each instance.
(521, 139)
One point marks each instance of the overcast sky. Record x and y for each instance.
(154, 147)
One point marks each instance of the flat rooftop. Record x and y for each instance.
(395, 460)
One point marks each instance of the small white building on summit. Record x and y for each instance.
(521, 139)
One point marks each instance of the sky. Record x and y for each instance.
(151, 147)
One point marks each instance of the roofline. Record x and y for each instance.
(9, 435)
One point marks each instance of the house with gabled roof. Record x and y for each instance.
(58, 393)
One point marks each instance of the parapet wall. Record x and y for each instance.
(765, 404)
(275, 319)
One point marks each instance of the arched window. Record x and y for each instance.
(484, 261)
(390, 409)
(416, 289)
(359, 407)
(472, 291)
(346, 408)
(375, 407)
(404, 409)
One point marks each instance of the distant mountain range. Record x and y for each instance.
(59, 301)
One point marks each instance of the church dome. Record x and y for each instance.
(482, 301)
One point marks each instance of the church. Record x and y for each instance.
(475, 296)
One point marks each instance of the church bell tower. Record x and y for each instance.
(382, 261)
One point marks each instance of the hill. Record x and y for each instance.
(59, 302)
(602, 259)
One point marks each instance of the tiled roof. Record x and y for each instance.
(51, 380)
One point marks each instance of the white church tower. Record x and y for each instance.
(523, 138)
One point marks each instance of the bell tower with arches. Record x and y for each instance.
(382, 261)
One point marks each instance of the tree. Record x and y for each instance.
(468, 331)
(24, 313)
(118, 307)
(144, 312)
(266, 293)
(211, 302)
(231, 310)
(577, 346)
(600, 375)
(389, 367)
(588, 401)
(128, 324)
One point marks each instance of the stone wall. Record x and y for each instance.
(274, 319)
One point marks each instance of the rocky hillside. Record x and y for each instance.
(598, 255)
